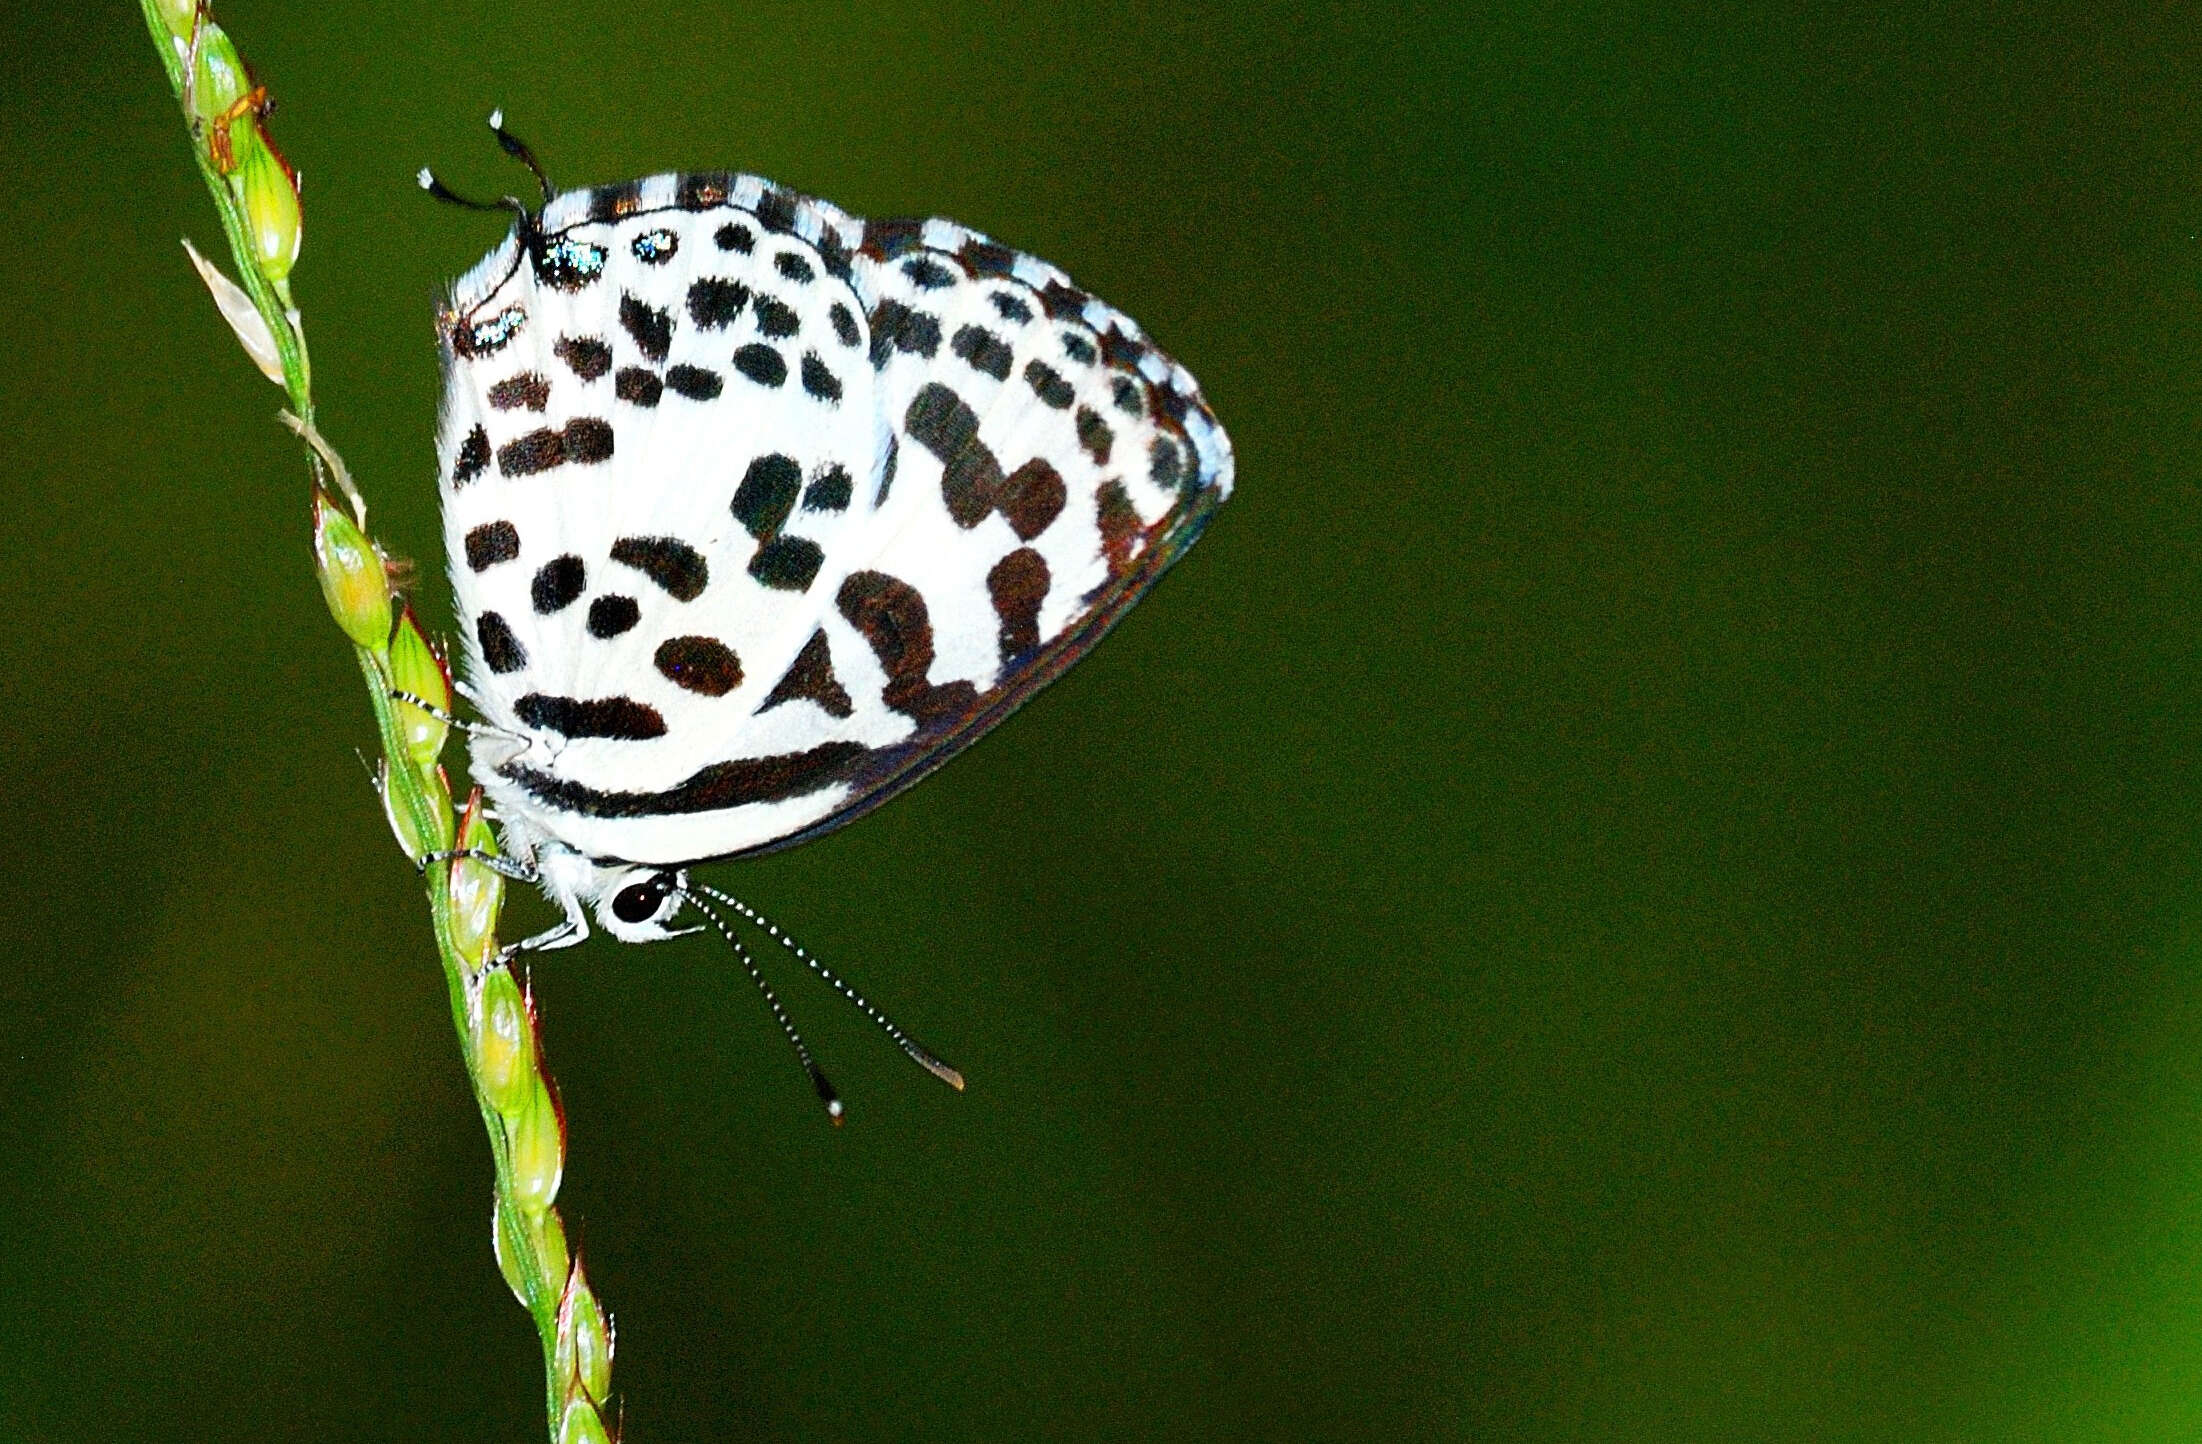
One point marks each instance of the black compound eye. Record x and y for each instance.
(638, 902)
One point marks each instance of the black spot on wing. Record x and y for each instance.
(557, 582)
(1163, 462)
(651, 327)
(538, 451)
(500, 648)
(703, 665)
(834, 254)
(611, 616)
(761, 364)
(734, 236)
(491, 543)
(787, 563)
(621, 718)
(818, 380)
(1018, 584)
(939, 421)
(670, 562)
(928, 274)
(694, 382)
(1078, 348)
(895, 327)
(639, 385)
(586, 356)
(528, 391)
(1094, 435)
(844, 325)
(588, 440)
(715, 301)
(1118, 522)
(1048, 384)
(1125, 392)
(1011, 308)
(1032, 497)
(473, 457)
(983, 350)
(767, 494)
(810, 678)
(775, 318)
(794, 267)
(831, 490)
(890, 615)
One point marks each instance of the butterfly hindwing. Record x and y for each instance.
(755, 514)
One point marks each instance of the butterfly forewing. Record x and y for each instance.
(756, 514)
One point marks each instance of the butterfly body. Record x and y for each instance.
(756, 513)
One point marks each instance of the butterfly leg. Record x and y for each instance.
(505, 866)
(471, 729)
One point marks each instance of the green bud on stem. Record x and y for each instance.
(538, 1144)
(220, 79)
(417, 836)
(540, 1236)
(352, 575)
(584, 1351)
(476, 890)
(267, 188)
(504, 1043)
(415, 669)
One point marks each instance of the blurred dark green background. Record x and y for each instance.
(1644, 883)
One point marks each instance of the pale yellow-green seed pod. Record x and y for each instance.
(582, 1424)
(415, 834)
(504, 1043)
(402, 822)
(352, 575)
(415, 669)
(220, 79)
(540, 1235)
(267, 188)
(538, 1149)
(584, 1352)
(477, 891)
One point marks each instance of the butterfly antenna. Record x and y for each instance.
(826, 1095)
(919, 1053)
(450, 197)
(519, 151)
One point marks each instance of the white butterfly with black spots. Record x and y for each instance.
(757, 513)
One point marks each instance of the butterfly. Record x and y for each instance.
(757, 513)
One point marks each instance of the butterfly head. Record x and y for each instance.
(637, 904)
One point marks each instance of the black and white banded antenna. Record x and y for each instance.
(519, 151)
(918, 1052)
(826, 1094)
(450, 197)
